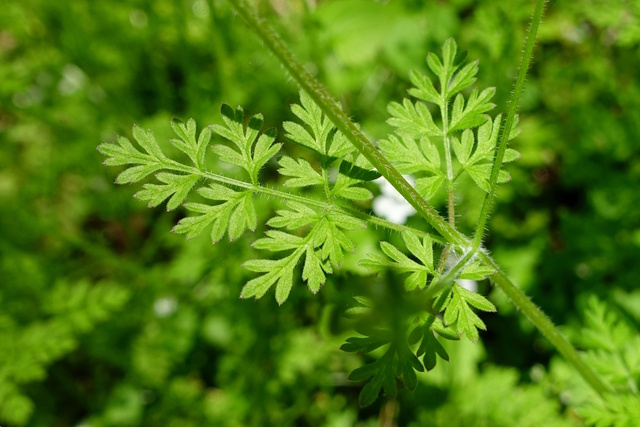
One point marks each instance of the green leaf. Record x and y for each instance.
(280, 271)
(421, 249)
(482, 173)
(451, 80)
(435, 65)
(234, 215)
(313, 272)
(244, 216)
(229, 155)
(325, 241)
(428, 187)
(463, 79)
(297, 133)
(278, 241)
(339, 146)
(476, 271)
(459, 313)
(297, 216)
(264, 149)
(334, 242)
(148, 142)
(510, 155)
(430, 348)
(472, 114)
(175, 186)
(302, 173)
(398, 361)
(187, 142)
(317, 135)
(395, 259)
(252, 149)
(412, 119)
(462, 148)
(424, 88)
(346, 221)
(449, 50)
(136, 173)
(124, 153)
(409, 156)
(616, 409)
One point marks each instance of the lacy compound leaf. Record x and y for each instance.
(251, 149)
(175, 186)
(235, 213)
(187, 142)
(460, 314)
(395, 259)
(301, 172)
(124, 153)
(322, 247)
(427, 333)
(398, 361)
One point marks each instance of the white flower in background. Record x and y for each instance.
(393, 207)
(390, 205)
(468, 284)
(164, 307)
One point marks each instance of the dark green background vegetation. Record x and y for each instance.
(108, 319)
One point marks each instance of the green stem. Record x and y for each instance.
(444, 113)
(447, 154)
(308, 201)
(525, 60)
(332, 109)
(545, 326)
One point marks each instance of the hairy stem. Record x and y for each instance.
(444, 113)
(308, 201)
(545, 326)
(525, 60)
(332, 109)
(447, 154)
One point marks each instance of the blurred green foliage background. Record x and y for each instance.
(107, 319)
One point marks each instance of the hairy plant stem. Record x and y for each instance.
(525, 60)
(444, 113)
(309, 201)
(545, 326)
(447, 154)
(332, 109)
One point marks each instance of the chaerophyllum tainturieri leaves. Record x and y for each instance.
(322, 194)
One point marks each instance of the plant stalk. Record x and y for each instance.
(525, 61)
(545, 326)
(309, 201)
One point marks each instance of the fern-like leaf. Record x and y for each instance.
(412, 149)
(252, 148)
(427, 333)
(398, 361)
(234, 214)
(393, 258)
(460, 315)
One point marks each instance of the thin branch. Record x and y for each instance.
(525, 60)
(309, 201)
